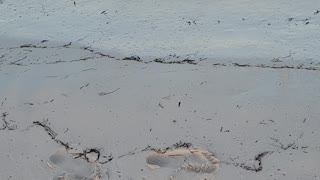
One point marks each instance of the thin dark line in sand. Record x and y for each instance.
(253, 168)
(298, 67)
(157, 60)
(84, 86)
(90, 69)
(2, 103)
(184, 61)
(6, 124)
(66, 145)
(106, 93)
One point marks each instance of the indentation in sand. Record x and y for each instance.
(189, 160)
(71, 168)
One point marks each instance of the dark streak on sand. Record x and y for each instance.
(253, 168)
(132, 58)
(97, 55)
(84, 86)
(6, 124)
(66, 145)
(298, 67)
(185, 61)
(106, 93)
(177, 145)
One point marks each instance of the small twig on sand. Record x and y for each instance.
(160, 105)
(5, 124)
(43, 124)
(85, 153)
(2, 103)
(257, 158)
(106, 93)
(84, 86)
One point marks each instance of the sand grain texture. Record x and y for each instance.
(107, 89)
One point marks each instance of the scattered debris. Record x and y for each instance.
(275, 60)
(6, 124)
(84, 58)
(298, 67)
(66, 130)
(109, 158)
(56, 62)
(161, 105)
(67, 45)
(43, 124)
(257, 158)
(85, 86)
(106, 93)
(191, 22)
(46, 102)
(90, 69)
(185, 61)
(164, 60)
(32, 46)
(104, 55)
(88, 49)
(241, 65)
(181, 144)
(219, 64)
(282, 146)
(262, 122)
(84, 154)
(132, 58)
(177, 145)
(2, 103)
(306, 21)
(100, 55)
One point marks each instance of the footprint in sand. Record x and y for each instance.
(69, 168)
(189, 160)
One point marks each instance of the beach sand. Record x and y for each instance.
(219, 99)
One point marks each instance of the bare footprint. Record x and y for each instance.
(190, 160)
(70, 168)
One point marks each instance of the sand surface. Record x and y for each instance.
(154, 90)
